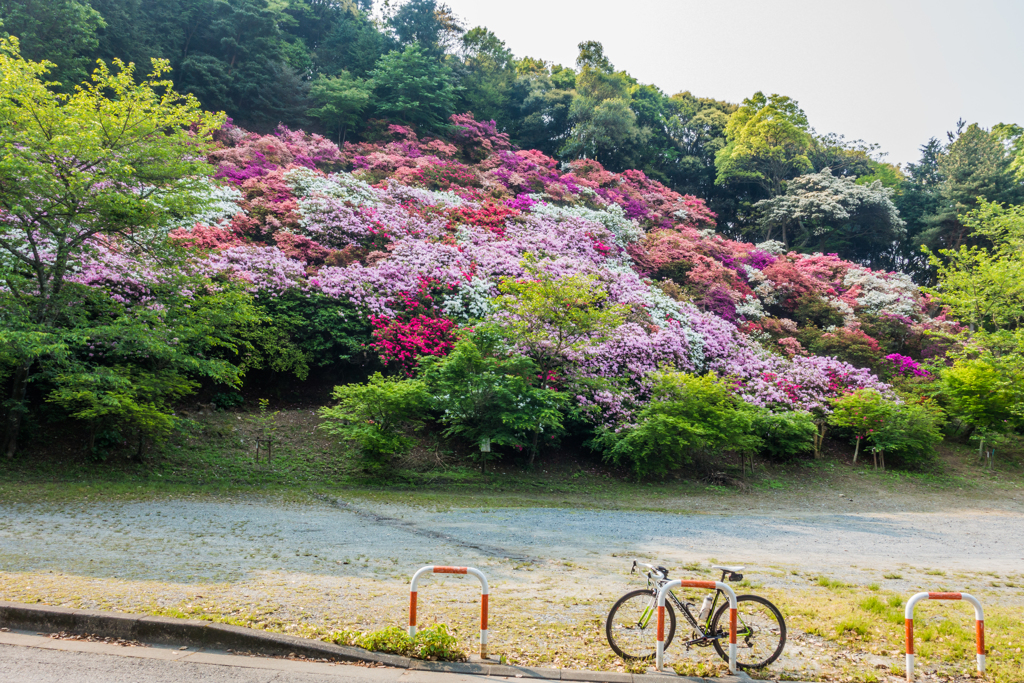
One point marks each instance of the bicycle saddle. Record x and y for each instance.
(728, 570)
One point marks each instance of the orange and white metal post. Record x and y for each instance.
(452, 570)
(979, 626)
(660, 659)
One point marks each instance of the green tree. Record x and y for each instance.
(1013, 136)
(687, 416)
(413, 88)
(986, 391)
(112, 161)
(125, 368)
(489, 395)
(983, 286)
(602, 124)
(550, 318)
(427, 23)
(539, 103)
(909, 434)
(767, 143)
(486, 70)
(863, 412)
(976, 164)
(341, 100)
(785, 435)
(825, 213)
(377, 416)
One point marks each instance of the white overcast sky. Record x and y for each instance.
(893, 72)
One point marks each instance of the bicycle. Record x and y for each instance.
(632, 623)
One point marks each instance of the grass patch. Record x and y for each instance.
(830, 583)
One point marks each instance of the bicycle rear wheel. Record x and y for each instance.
(632, 625)
(760, 632)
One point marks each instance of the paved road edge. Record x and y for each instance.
(208, 634)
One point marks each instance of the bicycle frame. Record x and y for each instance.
(706, 637)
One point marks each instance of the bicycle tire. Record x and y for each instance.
(750, 622)
(629, 638)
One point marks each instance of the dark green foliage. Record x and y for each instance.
(227, 400)
(813, 310)
(484, 392)
(329, 331)
(61, 31)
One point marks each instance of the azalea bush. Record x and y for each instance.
(383, 254)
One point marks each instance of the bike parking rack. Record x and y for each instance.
(660, 660)
(979, 626)
(431, 569)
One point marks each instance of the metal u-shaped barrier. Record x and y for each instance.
(660, 659)
(452, 570)
(979, 626)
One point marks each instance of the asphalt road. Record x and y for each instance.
(37, 659)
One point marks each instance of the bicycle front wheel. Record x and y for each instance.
(760, 632)
(632, 626)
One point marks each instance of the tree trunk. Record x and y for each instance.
(19, 387)
(819, 440)
(534, 446)
(856, 450)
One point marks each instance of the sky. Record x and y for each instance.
(891, 72)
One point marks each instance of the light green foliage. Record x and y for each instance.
(768, 142)
(340, 101)
(785, 435)
(125, 375)
(987, 391)
(1013, 135)
(687, 415)
(862, 412)
(484, 391)
(114, 159)
(392, 640)
(434, 642)
(985, 286)
(123, 397)
(376, 416)
(908, 438)
(906, 432)
(412, 87)
(549, 316)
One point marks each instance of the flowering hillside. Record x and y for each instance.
(415, 235)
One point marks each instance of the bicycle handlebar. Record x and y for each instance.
(661, 571)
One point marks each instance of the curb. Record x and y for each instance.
(208, 634)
